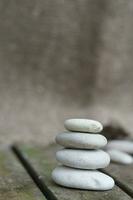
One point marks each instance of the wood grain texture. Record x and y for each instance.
(123, 174)
(42, 159)
(15, 184)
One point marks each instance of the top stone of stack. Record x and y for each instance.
(83, 125)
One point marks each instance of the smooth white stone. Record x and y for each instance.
(120, 157)
(81, 140)
(82, 179)
(83, 159)
(122, 145)
(83, 125)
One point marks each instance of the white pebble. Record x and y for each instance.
(122, 145)
(81, 140)
(83, 125)
(120, 157)
(82, 179)
(83, 159)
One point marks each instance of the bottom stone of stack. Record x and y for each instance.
(82, 179)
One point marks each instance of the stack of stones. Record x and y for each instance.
(82, 156)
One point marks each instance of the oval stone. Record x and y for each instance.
(120, 157)
(122, 145)
(82, 179)
(83, 125)
(83, 159)
(81, 140)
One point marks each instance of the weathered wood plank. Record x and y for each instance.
(123, 174)
(15, 183)
(44, 162)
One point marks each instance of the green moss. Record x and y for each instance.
(30, 194)
(15, 184)
(4, 171)
(22, 194)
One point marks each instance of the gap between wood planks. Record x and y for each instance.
(40, 183)
(119, 183)
(33, 174)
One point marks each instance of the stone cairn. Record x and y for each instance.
(82, 156)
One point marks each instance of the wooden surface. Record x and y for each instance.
(43, 161)
(16, 177)
(15, 183)
(123, 174)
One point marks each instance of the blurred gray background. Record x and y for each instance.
(62, 59)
